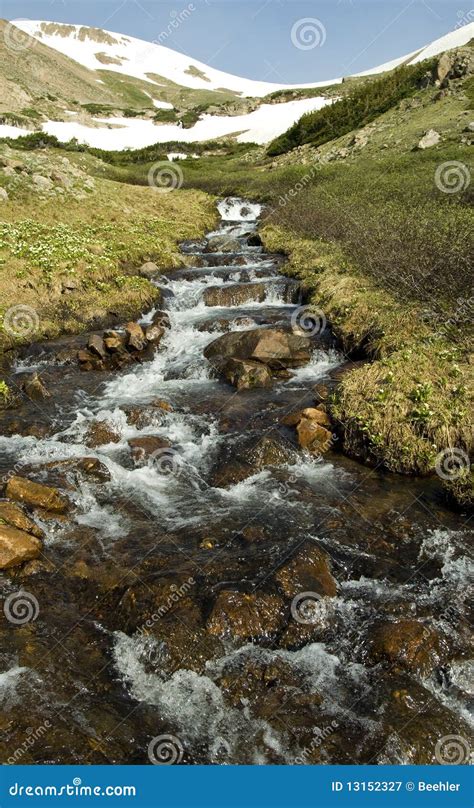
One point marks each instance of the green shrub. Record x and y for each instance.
(356, 109)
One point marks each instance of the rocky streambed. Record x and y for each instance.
(192, 572)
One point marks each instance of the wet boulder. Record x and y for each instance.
(16, 547)
(245, 375)
(113, 341)
(313, 437)
(96, 345)
(143, 448)
(308, 571)
(100, 433)
(11, 514)
(275, 347)
(407, 643)
(223, 244)
(36, 495)
(234, 294)
(134, 337)
(34, 388)
(241, 616)
(248, 456)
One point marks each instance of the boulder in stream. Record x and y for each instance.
(278, 348)
(16, 546)
(36, 495)
(241, 616)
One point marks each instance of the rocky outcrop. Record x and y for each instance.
(36, 495)
(115, 349)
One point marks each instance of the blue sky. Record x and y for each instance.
(252, 38)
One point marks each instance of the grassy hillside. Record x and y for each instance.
(356, 109)
(71, 246)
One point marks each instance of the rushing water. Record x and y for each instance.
(120, 651)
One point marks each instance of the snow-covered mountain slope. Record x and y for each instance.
(97, 49)
(122, 74)
(455, 39)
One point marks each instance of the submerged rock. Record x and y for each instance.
(308, 571)
(36, 495)
(144, 447)
(239, 616)
(99, 433)
(244, 375)
(249, 456)
(35, 389)
(223, 243)
(408, 643)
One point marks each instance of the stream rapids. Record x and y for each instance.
(131, 656)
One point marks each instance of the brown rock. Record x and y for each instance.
(84, 357)
(135, 337)
(154, 333)
(244, 375)
(161, 404)
(249, 455)
(161, 319)
(16, 547)
(35, 389)
(143, 447)
(234, 294)
(36, 495)
(96, 346)
(316, 415)
(100, 433)
(148, 270)
(275, 347)
(246, 617)
(409, 643)
(14, 516)
(313, 437)
(308, 571)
